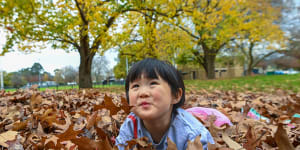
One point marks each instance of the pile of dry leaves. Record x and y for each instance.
(89, 119)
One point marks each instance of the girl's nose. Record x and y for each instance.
(144, 92)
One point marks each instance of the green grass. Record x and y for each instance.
(263, 83)
(67, 87)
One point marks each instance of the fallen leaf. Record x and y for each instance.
(232, 144)
(19, 125)
(69, 134)
(92, 120)
(35, 100)
(171, 145)
(108, 104)
(53, 139)
(7, 136)
(251, 140)
(195, 145)
(282, 139)
(85, 143)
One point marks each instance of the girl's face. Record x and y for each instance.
(152, 98)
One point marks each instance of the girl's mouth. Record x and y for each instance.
(145, 104)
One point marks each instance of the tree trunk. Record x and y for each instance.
(209, 62)
(251, 59)
(86, 57)
(250, 66)
(85, 78)
(249, 71)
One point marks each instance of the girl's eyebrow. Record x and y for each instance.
(154, 79)
(134, 81)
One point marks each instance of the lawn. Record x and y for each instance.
(263, 83)
(67, 87)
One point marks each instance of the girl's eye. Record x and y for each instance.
(153, 83)
(135, 86)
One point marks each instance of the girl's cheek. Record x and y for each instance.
(132, 100)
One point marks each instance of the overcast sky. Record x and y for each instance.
(50, 59)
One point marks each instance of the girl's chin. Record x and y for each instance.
(145, 115)
(147, 118)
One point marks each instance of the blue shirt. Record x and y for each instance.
(183, 128)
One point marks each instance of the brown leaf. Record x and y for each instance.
(171, 145)
(19, 125)
(85, 143)
(52, 140)
(232, 144)
(251, 140)
(141, 144)
(69, 134)
(295, 120)
(7, 136)
(101, 134)
(52, 145)
(125, 106)
(105, 145)
(246, 109)
(65, 126)
(131, 143)
(92, 120)
(108, 104)
(195, 145)
(35, 100)
(282, 139)
(212, 146)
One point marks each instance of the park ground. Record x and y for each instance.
(258, 83)
(264, 111)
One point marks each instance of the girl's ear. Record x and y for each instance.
(178, 96)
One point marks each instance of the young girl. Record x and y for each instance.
(156, 90)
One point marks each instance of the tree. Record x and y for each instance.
(17, 80)
(36, 72)
(143, 37)
(58, 78)
(85, 26)
(120, 69)
(290, 24)
(287, 62)
(27, 74)
(259, 33)
(212, 24)
(149, 32)
(36, 69)
(69, 74)
(99, 68)
(6, 78)
(294, 44)
(47, 76)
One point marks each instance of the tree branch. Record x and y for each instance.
(265, 56)
(242, 48)
(81, 13)
(153, 10)
(188, 32)
(97, 40)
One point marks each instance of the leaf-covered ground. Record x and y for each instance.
(90, 119)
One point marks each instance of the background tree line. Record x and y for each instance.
(62, 76)
(180, 31)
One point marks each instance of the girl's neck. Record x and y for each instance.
(157, 128)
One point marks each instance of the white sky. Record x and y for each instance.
(50, 59)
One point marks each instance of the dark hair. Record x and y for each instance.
(152, 68)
